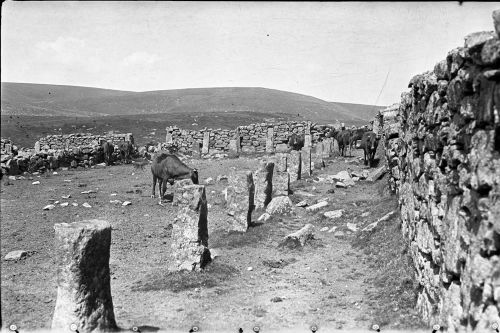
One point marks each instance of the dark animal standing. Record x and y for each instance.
(126, 150)
(369, 144)
(108, 152)
(166, 168)
(356, 135)
(296, 141)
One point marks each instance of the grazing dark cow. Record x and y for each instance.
(369, 144)
(343, 138)
(356, 135)
(166, 168)
(126, 149)
(296, 141)
(108, 152)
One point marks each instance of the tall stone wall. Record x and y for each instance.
(443, 150)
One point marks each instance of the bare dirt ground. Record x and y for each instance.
(348, 281)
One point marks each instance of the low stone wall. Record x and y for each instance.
(79, 140)
(254, 138)
(443, 151)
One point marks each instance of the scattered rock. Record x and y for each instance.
(317, 206)
(86, 205)
(333, 214)
(88, 192)
(276, 299)
(279, 205)
(66, 196)
(264, 217)
(352, 227)
(339, 233)
(214, 253)
(126, 203)
(331, 191)
(332, 229)
(49, 207)
(74, 204)
(324, 229)
(299, 238)
(67, 180)
(365, 214)
(113, 194)
(115, 201)
(64, 204)
(340, 185)
(303, 203)
(36, 183)
(209, 181)
(16, 255)
(14, 178)
(250, 269)
(221, 178)
(82, 185)
(376, 174)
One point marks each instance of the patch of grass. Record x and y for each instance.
(278, 263)
(393, 274)
(213, 275)
(230, 240)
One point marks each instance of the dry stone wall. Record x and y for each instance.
(253, 138)
(79, 140)
(443, 149)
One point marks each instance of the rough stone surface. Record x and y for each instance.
(281, 183)
(444, 164)
(240, 196)
(333, 214)
(299, 238)
(190, 229)
(294, 165)
(317, 206)
(263, 180)
(16, 255)
(306, 169)
(280, 205)
(83, 279)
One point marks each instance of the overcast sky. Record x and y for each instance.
(336, 51)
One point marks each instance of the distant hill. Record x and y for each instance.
(71, 101)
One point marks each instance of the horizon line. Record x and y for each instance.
(224, 87)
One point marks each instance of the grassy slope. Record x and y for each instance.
(39, 99)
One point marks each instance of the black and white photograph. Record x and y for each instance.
(246, 166)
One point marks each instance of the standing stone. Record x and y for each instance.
(196, 149)
(326, 146)
(335, 148)
(84, 290)
(190, 229)
(237, 137)
(168, 139)
(37, 147)
(306, 161)
(206, 143)
(240, 195)
(8, 148)
(270, 140)
(294, 165)
(13, 167)
(307, 141)
(281, 183)
(318, 155)
(281, 162)
(263, 179)
(233, 148)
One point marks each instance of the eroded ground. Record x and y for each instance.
(331, 282)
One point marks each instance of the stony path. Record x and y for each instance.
(325, 283)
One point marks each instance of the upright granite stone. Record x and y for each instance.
(281, 183)
(307, 141)
(263, 179)
(234, 150)
(281, 163)
(206, 143)
(195, 149)
(240, 196)
(190, 229)
(37, 147)
(270, 140)
(327, 147)
(83, 279)
(318, 156)
(306, 169)
(294, 165)
(168, 138)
